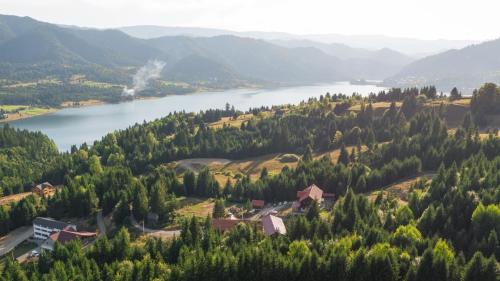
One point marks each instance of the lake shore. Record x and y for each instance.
(29, 112)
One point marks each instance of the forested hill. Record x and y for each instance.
(445, 228)
(69, 51)
(465, 68)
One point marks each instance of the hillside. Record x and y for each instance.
(464, 68)
(376, 195)
(25, 41)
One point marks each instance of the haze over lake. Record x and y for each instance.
(87, 124)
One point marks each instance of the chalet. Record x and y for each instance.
(44, 227)
(258, 204)
(272, 224)
(307, 196)
(44, 190)
(64, 236)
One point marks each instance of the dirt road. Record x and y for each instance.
(100, 224)
(164, 234)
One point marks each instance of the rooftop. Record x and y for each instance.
(312, 192)
(64, 236)
(51, 223)
(272, 224)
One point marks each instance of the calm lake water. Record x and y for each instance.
(87, 124)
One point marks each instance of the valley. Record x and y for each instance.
(352, 145)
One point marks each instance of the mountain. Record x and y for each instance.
(377, 64)
(407, 46)
(29, 49)
(257, 59)
(152, 31)
(464, 68)
(194, 68)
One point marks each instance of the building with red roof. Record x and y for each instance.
(307, 196)
(258, 204)
(64, 236)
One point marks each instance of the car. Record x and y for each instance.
(34, 253)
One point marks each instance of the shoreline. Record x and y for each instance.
(95, 102)
(20, 115)
(11, 117)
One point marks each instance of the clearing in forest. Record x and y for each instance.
(400, 189)
(6, 200)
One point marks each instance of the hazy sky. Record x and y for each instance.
(429, 19)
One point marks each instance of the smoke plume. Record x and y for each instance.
(151, 70)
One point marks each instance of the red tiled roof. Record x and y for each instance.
(272, 225)
(64, 236)
(226, 224)
(258, 203)
(313, 192)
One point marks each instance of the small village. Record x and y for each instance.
(46, 232)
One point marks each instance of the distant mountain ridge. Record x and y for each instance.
(112, 54)
(465, 68)
(408, 46)
(30, 49)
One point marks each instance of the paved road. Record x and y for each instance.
(14, 238)
(155, 232)
(100, 224)
(269, 209)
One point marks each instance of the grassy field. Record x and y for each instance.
(16, 112)
(378, 107)
(254, 165)
(195, 207)
(230, 121)
(272, 162)
(6, 200)
(400, 189)
(12, 108)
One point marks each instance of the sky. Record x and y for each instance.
(423, 19)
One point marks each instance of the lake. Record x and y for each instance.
(86, 124)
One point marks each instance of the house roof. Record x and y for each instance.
(258, 203)
(43, 185)
(227, 224)
(272, 224)
(313, 192)
(64, 236)
(51, 223)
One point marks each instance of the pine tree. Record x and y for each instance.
(307, 157)
(140, 204)
(219, 209)
(313, 211)
(344, 155)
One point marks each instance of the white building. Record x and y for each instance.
(43, 227)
